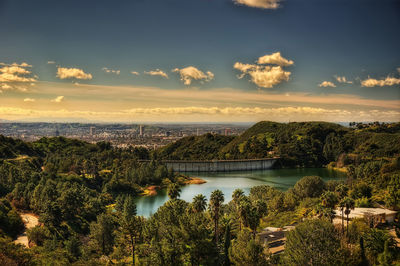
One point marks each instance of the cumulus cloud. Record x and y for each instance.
(343, 79)
(190, 73)
(327, 84)
(135, 73)
(16, 76)
(275, 59)
(263, 76)
(58, 99)
(264, 4)
(29, 100)
(108, 70)
(388, 81)
(156, 72)
(68, 73)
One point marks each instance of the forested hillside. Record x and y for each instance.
(205, 147)
(304, 144)
(84, 195)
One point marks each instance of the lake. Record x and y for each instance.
(227, 182)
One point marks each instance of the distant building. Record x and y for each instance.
(198, 132)
(57, 133)
(92, 131)
(141, 130)
(228, 131)
(374, 215)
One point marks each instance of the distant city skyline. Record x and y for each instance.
(200, 61)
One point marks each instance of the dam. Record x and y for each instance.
(220, 165)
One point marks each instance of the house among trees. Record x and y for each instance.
(375, 216)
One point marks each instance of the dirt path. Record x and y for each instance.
(30, 220)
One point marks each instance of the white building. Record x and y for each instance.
(380, 214)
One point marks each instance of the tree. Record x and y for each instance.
(236, 198)
(313, 242)
(247, 251)
(102, 233)
(173, 191)
(131, 225)
(216, 200)
(385, 258)
(199, 203)
(309, 187)
(393, 196)
(227, 244)
(348, 204)
(329, 199)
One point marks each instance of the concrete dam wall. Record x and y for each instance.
(221, 165)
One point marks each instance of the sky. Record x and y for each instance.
(200, 60)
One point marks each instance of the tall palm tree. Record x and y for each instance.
(216, 200)
(236, 197)
(199, 203)
(342, 207)
(173, 191)
(349, 205)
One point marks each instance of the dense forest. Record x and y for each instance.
(84, 195)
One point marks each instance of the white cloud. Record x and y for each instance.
(135, 73)
(23, 64)
(16, 77)
(343, 79)
(275, 59)
(263, 76)
(58, 99)
(156, 72)
(108, 70)
(327, 84)
(51, 62)
(29, 100)
(190, 73)
(67, 73)
(264, 4)
(388, 81)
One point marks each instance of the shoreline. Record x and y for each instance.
(152, 190)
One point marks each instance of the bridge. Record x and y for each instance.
(220, 165)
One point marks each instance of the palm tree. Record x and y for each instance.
(173, 191)
(236, 197)
(342, 207)
(216, 200)
(349, 205)
(199, 203)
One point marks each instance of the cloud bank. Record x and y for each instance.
(16, 77)
(388, 81)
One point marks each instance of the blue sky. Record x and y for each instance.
(357, 39)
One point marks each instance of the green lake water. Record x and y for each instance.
(227, 182)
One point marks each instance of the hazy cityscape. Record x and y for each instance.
(150, 136)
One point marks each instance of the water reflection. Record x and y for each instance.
(282, 179)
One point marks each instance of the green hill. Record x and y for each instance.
(205, 147)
